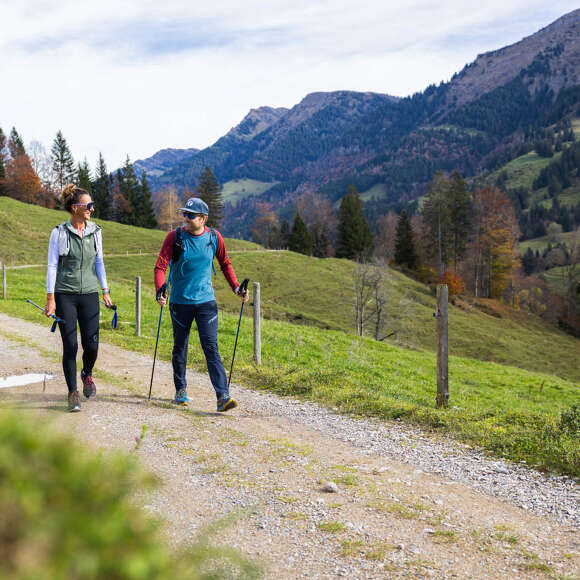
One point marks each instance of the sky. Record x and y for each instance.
(130, 78)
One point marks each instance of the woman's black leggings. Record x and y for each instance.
(83, 308)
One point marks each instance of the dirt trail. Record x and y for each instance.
(388, 519)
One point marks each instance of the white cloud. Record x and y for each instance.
(129, 77)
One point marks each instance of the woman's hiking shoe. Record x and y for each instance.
(89, 387)
(74, 402)
(181, 397)
(226, 403)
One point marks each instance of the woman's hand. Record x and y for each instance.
(50, 307)
(107, 299)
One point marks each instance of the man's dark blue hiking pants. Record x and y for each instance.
(206, 318)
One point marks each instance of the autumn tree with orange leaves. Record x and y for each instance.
(493, 243)
(20, 180)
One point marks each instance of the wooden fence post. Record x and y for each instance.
(257, 329)
(3, 281)
(138, 306)
(442, 346)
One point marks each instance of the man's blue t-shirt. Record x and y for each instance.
(190, 276)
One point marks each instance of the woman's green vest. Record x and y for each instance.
(76, 269)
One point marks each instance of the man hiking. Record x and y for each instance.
(190, 251)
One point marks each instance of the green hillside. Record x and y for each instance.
(375, 192)
(522, 170)
(25, 230)
(540, 244)
(316, 292)
(513, 412)
(237, 189)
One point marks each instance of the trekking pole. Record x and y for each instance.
(243, 287)
(56, 318)
(113, 307)
(161, 292)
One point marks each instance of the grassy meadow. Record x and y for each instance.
(237, 189)
(540, 244)
(511, 375)
(523, 170)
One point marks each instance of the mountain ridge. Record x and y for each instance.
(480, 117)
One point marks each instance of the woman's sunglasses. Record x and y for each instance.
(90, 206)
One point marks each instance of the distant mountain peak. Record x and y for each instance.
(157, 164)
(559, 41)
(256, 121)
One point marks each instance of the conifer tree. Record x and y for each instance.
(146, 214)
(120, 207)
(209, 190)
(354, 239)
(130, 189)
(459, 208)
(436, 215)
(300, 240)
(15, 144)
(101, 189)
(404, 245)
(2, 162)
(529, 262)
(83, 178)
(284, 233)
(62, 162)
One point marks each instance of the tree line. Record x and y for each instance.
(466, 238)
(33, 175)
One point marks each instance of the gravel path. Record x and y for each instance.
(555, 495)
(400, 503)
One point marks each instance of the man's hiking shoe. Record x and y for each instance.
(226, 403)
(181, 397)
(74, 402)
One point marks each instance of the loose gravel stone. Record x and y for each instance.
(330, 487)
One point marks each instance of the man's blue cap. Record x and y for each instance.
(196, 205)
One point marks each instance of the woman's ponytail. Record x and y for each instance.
(71, 195)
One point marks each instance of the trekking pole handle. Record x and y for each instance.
(112, 307)
(243, 287)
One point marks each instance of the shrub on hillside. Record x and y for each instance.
(454, 281)
(66, 512)
(570, 420)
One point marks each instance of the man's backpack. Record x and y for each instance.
(178, 245)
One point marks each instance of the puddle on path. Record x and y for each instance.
(22, 380)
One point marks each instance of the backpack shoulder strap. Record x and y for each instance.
(98, 238)
(213, 241)
(63, 239)
(177, 245)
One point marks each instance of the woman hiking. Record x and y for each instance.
(74, 273)
(190, 250)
